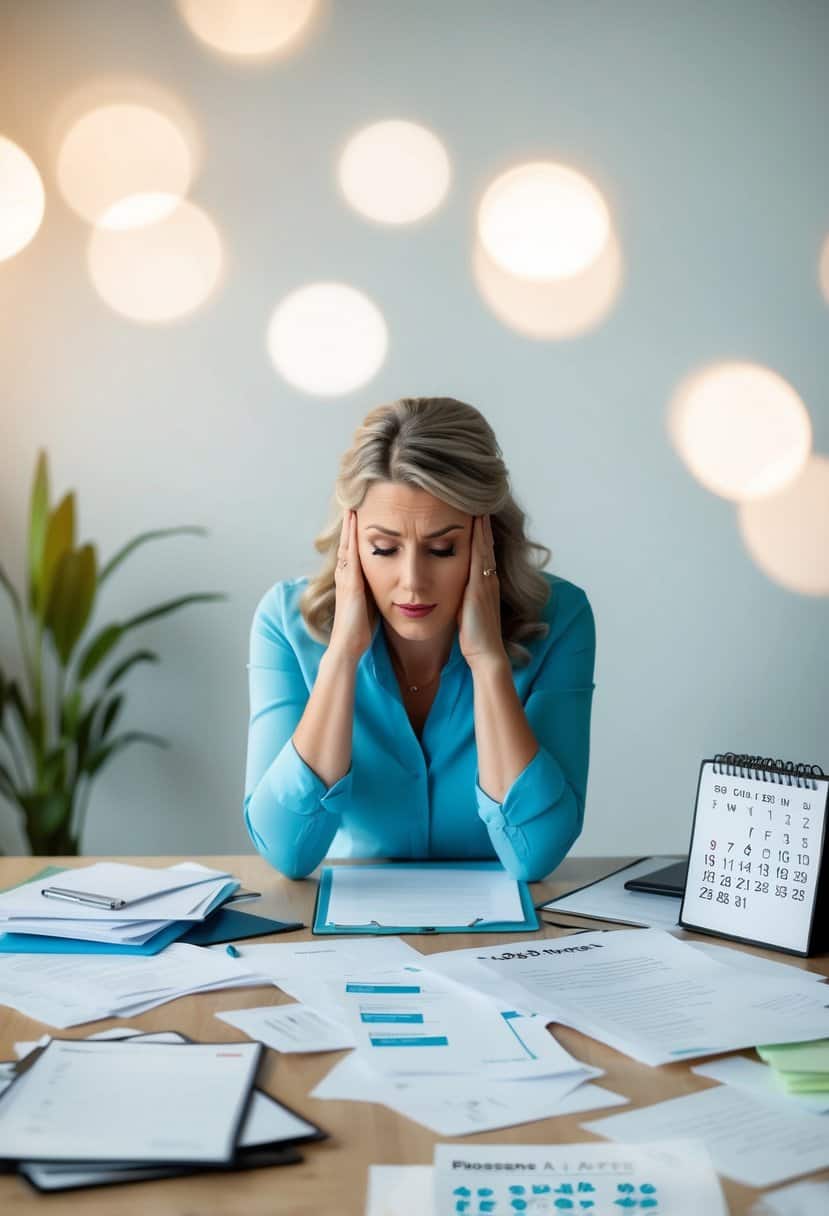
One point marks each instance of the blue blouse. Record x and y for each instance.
(410, 798)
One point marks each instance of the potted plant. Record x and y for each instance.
(57, 724)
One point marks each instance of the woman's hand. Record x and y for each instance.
(479, 616)
(354, 610)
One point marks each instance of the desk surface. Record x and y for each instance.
(334, 1174)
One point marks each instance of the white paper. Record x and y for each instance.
(733, 956)
(655, 998)
(452, 1107)
(673, 1177)
(114, 879)
(751, 1074)
(799, 1199)
(421, 895)
(751, 1139)
(414, 1021)
(289, 1028)
(105, 1101)
(68, 989)
(321, 960)
(608, 900)
(399, 1190)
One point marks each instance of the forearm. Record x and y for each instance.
(323, 736)
(505, 740)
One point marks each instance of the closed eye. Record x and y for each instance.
(435, 552)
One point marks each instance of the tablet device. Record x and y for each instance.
(670, 880)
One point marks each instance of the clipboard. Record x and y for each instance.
(323, 927)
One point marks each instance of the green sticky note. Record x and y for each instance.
(797, 1057)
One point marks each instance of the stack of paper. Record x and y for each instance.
(268, 1135)
(800, 1068)
(112, 902)
(67, 990)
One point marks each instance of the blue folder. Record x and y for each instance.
(323, 926)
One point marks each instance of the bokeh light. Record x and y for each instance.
(555, 309)
(394, 172)
(327, 339)
(158, 272)
(120, 154)
(741, 430)
(22, 199)
(543, 221)
(248, 28)
(787, 534)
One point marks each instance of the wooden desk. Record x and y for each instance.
(333, 1177)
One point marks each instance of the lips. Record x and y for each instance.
(416, 610)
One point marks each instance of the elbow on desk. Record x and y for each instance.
(286, 860)
(542, 855)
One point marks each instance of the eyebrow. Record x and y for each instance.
(430, 536)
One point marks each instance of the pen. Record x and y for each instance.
(233, 952)
(83, 897)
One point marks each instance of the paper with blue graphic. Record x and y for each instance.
(671, 1178)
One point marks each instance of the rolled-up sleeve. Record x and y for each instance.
(543, 810)
(290, 814)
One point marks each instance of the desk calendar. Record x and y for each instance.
(757, 868)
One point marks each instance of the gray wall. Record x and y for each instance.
(704, 123)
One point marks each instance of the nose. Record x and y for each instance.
(413, 574)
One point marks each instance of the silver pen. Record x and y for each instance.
(83, 897)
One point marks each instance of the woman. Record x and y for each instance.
(427, 694)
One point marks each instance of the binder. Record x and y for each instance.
(758, 866)
(323, 926)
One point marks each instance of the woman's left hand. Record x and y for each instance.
(479, 616)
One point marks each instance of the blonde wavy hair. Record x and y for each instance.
(447, 448)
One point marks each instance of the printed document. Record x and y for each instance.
(674, 1177)
(750, 1139)
(655, 998)
(421, 895)
(289, 1028)
(89, 1100)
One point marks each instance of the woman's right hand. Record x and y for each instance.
(354, 614)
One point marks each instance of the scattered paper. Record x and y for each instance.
(732, 956)
(673, 1177)
(451, 1108)
(751, 1074)
(607, 900)
(289, 1028)
(799, 1199)
(399, 1190)
(655, 998)
(751, 1139)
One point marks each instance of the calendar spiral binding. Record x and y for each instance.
(781, 772)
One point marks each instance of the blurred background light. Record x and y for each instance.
(22, 200)
(394, 172)
(160, 271)
(327, 339)
(787, 534)
(552, 309)
(741, 429)
(124, 152)
(252, 28)
(543, 221)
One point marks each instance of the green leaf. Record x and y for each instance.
(60, 539)
(70, 713)
(7, 782)
(110, 714)
(172, 605)
(52, 773)
(6, 582)
(133, 544)
(38, 519)
(45, 812)
(71, 598)
(140, 656)
(101, 754)
(98, 649)
(14, 697)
